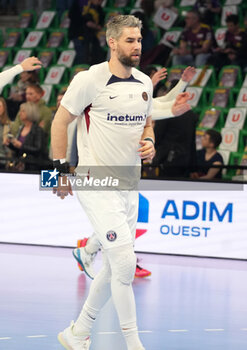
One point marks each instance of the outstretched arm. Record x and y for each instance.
(30, 63)
(186, 77)
(172, 108)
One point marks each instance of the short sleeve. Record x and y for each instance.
(80, 93)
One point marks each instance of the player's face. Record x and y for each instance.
(129, 47)
(206, 141)
(32, 95)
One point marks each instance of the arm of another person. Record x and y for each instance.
(30, 63)
(170, 109)
(187, 76)
(212, 172)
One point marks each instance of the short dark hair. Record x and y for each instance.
(214, 137)
(232, 19)
(37, 88)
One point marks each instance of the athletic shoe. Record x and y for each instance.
(140, 272)
(85, 260)
(71, 342)
(81, 243)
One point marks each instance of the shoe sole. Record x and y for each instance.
(82, 265)
(143, 276)
(63, 342)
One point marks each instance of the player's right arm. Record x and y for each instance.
(59, 128)
(59, 142)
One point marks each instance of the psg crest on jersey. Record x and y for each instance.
(145, 96)
(111, 236)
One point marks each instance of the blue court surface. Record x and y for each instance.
(187, 304)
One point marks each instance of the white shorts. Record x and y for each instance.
(113, 215)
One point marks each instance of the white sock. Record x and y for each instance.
(99, 293)
(132, 339)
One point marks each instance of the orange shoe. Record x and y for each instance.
(81, 243)
(140, 272)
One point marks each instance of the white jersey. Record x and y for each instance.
(112, 115)
(9, 74)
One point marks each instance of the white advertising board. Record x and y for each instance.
(174, 217)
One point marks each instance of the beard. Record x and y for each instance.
(129, 61)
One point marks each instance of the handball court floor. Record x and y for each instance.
(187, 304)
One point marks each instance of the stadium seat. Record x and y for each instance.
(171, 37)
(5, 57)
(196, 95)
(236, 118)
(226, 11)
(78, 68)
(211, 118)
(49, 94)
(204, 77)
(230, 139)
(27, 19)
(222, 97)
(242, 98)
(66, 58)
(47, 19)
(175, 72)
(21, 55)
(14, 37)
(165, 18)
(58, 38)
(34, 39)
(65, 21)
(56, 75)
(230, 76)
(47, 56)
(219, 34)
(199, 134)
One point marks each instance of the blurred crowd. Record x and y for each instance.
(25, 119)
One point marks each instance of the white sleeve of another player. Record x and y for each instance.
(180, 87)
(9, 74)
(80, 93)
(162, 110)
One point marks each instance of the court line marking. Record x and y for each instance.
(36, 336)
(5, 338)
(214, 329)
(178, 330)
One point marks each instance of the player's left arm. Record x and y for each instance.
(147, 150)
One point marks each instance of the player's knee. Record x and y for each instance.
(125, 265)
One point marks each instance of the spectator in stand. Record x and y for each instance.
(86, 20)
(235, 48)
(209, 11)
(209, 156)
(62, 6)
(4, 130)
(18, 92)
(29, 145)
(34, 94)
(195, 44)
(166, 4)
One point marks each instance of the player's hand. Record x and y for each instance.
(147, 150)
(158, 76)
(31, 63)
(64, 187)
(180, 109)
(188, 74)
(182, 98)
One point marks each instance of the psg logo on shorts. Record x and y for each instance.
(111, 236)
(145, 96)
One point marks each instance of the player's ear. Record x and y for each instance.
(112, 43)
